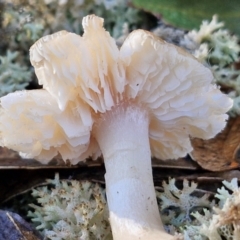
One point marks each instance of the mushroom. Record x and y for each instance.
(148, 98)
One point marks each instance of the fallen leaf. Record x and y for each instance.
(220, 153)
(10, 159)
(189, 14)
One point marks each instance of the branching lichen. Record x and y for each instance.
(220, 49)
(177, 205)
(67, 15)
(211, 221)
(78, 210)
(223, 220)
(13, 76)
(71, 210)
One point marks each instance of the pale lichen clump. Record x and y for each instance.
(177, 206)
(221, 46)
(71, 210)
(13, 76)
(183, 201)
(225, 222)
(219, 49)
(28, 24)
(198, 218)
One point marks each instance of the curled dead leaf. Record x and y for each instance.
(220, 153)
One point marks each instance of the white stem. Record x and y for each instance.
(122, 135)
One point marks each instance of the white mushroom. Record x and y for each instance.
(145, 99)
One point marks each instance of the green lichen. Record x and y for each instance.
(54, 15)
(198, 218)
(220, 50)
(177, 205)
(223, 48)
(13, 76)
(224, 223)
(71, 210)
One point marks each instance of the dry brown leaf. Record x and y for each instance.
(7, 153)
(221, 152)
(10, 159)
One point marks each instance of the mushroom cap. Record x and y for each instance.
(68, 66)
(32, 123)
(178, 90)
(92, 73)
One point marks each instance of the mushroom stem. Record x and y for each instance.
(123, 137)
